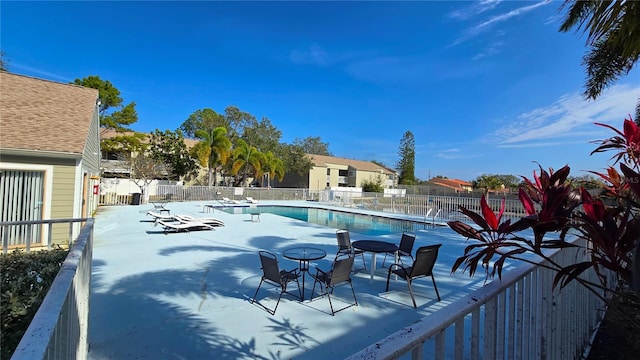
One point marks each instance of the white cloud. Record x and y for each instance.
(492, 49)
(538, 144)
(475, 9)
(507, 16)
(487, 24)
(571, 116)
(45, 74)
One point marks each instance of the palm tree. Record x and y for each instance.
(487, 182)
(613, 29)
(273, 167)
(213, 150)
(245, 158)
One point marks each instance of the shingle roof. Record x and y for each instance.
(44, 115)
(322, 160)
(451, 183)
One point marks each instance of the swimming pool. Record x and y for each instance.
(358, 223)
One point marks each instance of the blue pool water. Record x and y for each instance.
(363, 224)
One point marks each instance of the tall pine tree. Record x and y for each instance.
(407, 164)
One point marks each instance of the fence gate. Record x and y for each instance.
(21, 195)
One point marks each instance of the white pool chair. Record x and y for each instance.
(160, 216)
(191, 219)
(226, 200)
(180, 226)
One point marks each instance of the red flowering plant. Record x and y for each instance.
(496, 239)
(609, 222)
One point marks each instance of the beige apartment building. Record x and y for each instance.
(331, 172)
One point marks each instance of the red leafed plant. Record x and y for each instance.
(609, 222)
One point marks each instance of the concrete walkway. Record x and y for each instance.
(186, 295)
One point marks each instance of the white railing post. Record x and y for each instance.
(59, 329)
(521, 317)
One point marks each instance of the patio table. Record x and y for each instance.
(304, 254)
(375, 247)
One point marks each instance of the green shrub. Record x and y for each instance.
(26, 278)
(373, 185)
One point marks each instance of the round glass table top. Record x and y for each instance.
(304, 253)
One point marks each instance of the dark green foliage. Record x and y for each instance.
(295, 159)
(407, 163)
(487, 182)
(169, 149)
(587, 181)
(202, 119)
(313, 145)
(263, 135)
(238, 121)
(3, 62)
(376, 185)
(509, 181)
(109, 94)
(114, 116)
(613, 32)
(26, 279)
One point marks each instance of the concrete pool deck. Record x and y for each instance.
(186, 295)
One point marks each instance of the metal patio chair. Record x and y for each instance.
(344, 246)
(405, 247)
(272, 274)
(426, 257)
(340, 274)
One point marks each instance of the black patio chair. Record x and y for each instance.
(426, 257)
(405, 247)
(339, 274)
(272, 274)
(344, 246)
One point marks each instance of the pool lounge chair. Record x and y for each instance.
(250, 200)
(160, 216)
(226, 200)
(208, 221)
(180, 226)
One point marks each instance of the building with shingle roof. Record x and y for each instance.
(113, 165)
(49, 149)
(453, 185)
(332, 172)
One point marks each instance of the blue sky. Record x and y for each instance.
(486, 87)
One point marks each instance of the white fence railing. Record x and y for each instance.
(59, 329)
(22, 234)
(519, 317)
(427, 206)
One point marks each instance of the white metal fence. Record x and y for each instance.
(518, 317)
(428, 206)
(59, 329)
